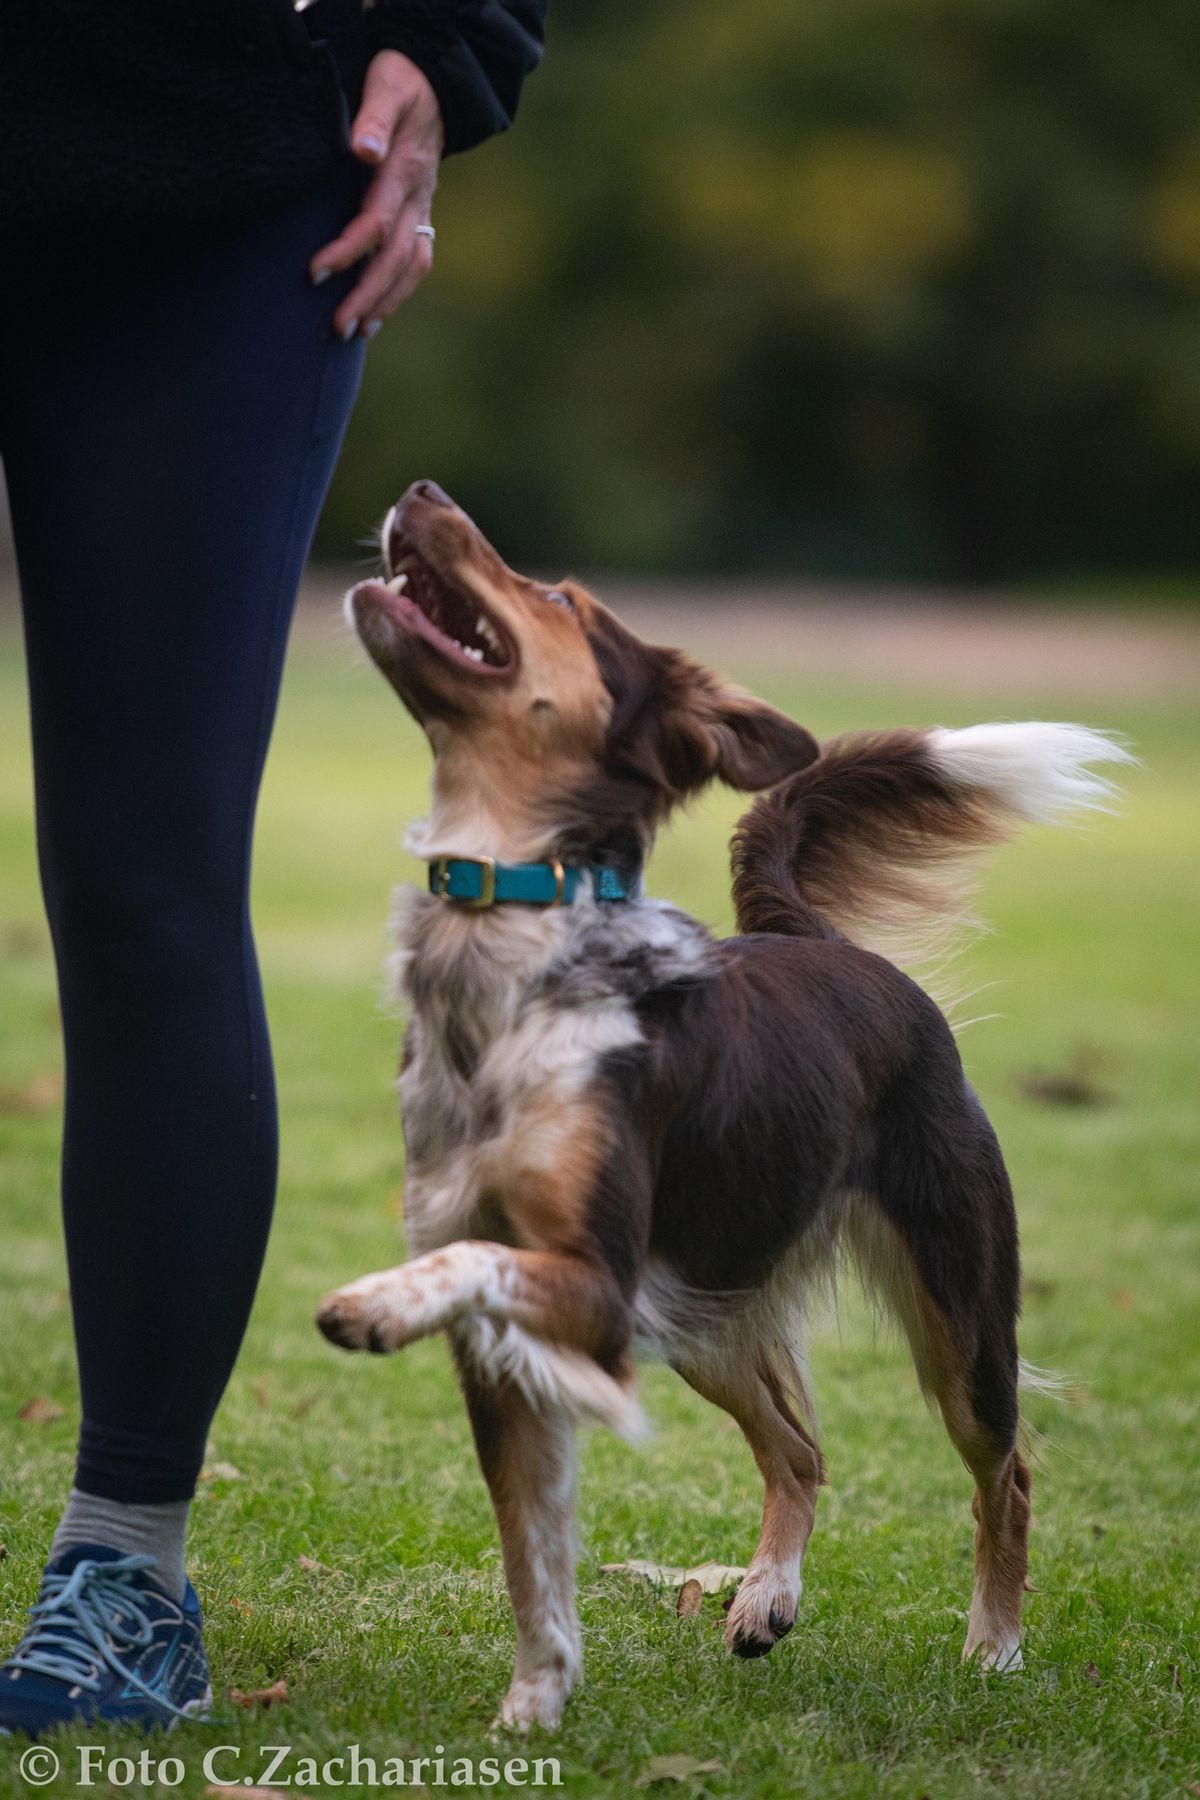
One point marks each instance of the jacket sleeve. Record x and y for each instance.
(475, 54)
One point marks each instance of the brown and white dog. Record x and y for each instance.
(624, 1134)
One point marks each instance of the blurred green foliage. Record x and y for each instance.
(899, 288)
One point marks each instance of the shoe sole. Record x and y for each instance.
(195, 1712)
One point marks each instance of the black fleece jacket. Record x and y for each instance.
(152, 111)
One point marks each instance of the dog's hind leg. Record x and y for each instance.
(747, 1385)
(976, 1392)
(528, 1461)
(941, 1248)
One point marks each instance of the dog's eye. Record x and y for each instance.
(556, 597)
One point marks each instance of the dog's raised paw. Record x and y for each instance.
(333, 1324)
(348, 1320)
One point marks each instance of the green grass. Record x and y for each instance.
(366, 1465)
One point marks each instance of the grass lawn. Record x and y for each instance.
(404, 1642)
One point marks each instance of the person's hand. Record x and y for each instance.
(398, 133)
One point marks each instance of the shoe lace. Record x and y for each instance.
(84, 1622)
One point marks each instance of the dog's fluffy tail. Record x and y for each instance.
(874, 841)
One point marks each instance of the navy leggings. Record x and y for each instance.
(171, 407)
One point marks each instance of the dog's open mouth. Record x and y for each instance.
(445, 615)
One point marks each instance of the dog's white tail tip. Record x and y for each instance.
(1041, 770)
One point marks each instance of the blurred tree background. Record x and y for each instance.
(870, 288)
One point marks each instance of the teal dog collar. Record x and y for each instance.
(477, 882)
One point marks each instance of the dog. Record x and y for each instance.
(625, 1135)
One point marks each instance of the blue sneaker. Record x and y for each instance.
(105, 1642)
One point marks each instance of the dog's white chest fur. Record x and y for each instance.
(510, 1017)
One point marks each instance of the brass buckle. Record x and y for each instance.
(560, 882)
(487, 881)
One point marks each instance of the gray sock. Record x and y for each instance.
(156, 1531)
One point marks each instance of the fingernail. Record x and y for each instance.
(320, 276)
(375, 145)
(349, 330)
(373, 329)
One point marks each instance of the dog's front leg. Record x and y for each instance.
(528, 1461)
(395, 1307)
(572, 1301)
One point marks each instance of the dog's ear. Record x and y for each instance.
(678, 726)
(709, 730)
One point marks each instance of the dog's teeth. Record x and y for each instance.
(396, 583)
(485, 629)
(475, 655)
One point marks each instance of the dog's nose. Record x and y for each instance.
(429, 490)
(395, 536)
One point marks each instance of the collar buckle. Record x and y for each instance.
(487, 882)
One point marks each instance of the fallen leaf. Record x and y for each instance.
(303, 1405)
(262, 1394)
(1122, 1299)
(41, 1410)
(1172, 1668)
(37, 1096)
(239, 1606)
(711, 1576)
(676, 1768)
(1034, 1287)
(1093, 1674)
(275, 1695)
(690, 1601)
(221, 1471)
(311, 1566)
